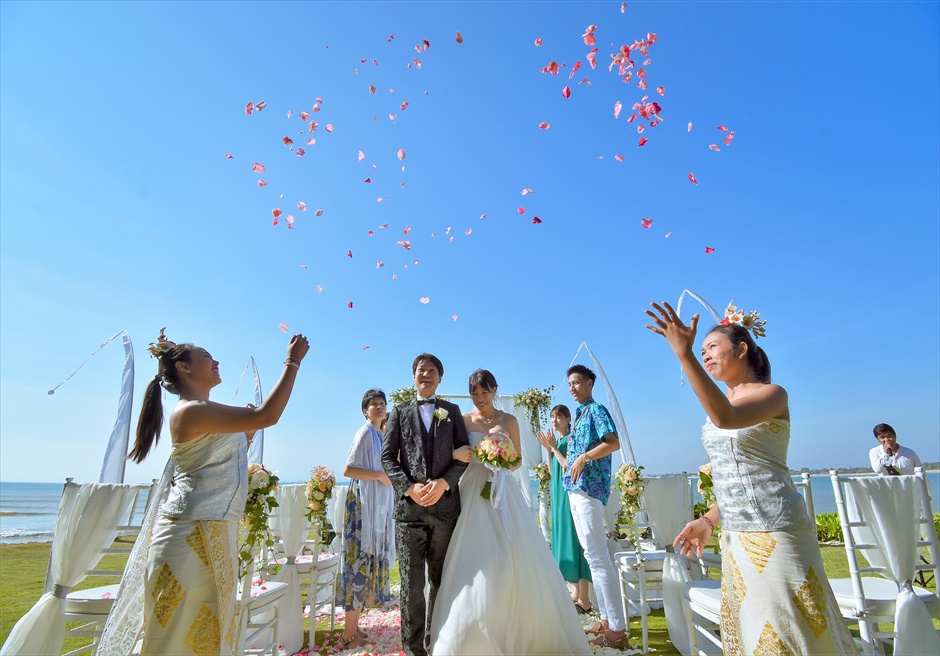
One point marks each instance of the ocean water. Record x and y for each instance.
(28, 511)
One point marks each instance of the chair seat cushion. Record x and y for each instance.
(93, 601)
(880, 596)
(705, 594)
(654, 560)
(264, 592)
(331, 561)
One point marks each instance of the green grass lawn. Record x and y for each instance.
(23, 572)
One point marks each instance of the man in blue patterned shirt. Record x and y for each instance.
(587, 480)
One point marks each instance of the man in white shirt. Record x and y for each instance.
(890, 458)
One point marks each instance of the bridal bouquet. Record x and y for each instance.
(319, 492)
(629, 481)
(262, 487)
(544, 476)
(496, 450)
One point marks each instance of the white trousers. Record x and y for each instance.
(588, 515)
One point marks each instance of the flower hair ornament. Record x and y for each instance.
(747, 320)
(161, 346)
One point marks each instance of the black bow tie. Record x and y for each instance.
(423, 401)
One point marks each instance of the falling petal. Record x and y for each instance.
(401, 153)
(690, 127)
(538, 41)
(290, 221)
(668, 233)
(349, 305)
(318, 213)
(425, 300)
(379, 199)
(392, 117)
(287, 141)
(365, 348)
(661, 91)
(304, 266)
(300, 152)
(349, 253)
(574, 69)
(404, 105)
(617, 107)
(289, 113)
(566, 92)
(311, 141)
(544, 125)
(302, 206)
(379, 264)
(262, 183)
(451, 240)
(692, 179)
(319, 289)
(371, 88)
(384, 225)
(459, 38)
(467, 232)
(249, 108)
(729, 138)
(362, 155)
(257, 168)
(619, 158)
(453, 317)
(623, 7)
(312, 127)
(640, 128)
(329, 127)
(276, 212)
(536, 220)
(368, 180)
(304, 116)
(261, 105)
(646, 223)
(526, 191)
(228, 156)
(394, 276)
(407, 229)
(521, 210)
(483, 216)
(406, 244)
(590, 57)
(722, 128)
(282, 327)
(714, 147)
(588, 35)
(643, 141)
(709, 249)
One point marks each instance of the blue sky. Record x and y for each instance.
(119, 209)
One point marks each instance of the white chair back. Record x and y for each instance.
(290, 526)
(667, 506)
(881, 518)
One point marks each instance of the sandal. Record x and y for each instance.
(353, 643)
(596, 629)
(605, 640)
(581, 609)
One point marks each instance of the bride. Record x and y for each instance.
(501, 590)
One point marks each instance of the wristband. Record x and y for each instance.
(587, 458)
(291, 362)
(711, 525)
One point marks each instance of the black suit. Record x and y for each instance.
(412, 454)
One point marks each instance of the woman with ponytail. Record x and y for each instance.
(181, 578)
(768, 541)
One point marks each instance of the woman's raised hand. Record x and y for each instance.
(547, 439)
(298, 347)
(668, 324)
(693, 537)
(462, 454)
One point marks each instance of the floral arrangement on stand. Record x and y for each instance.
(630, 483)
(538, 403)
(544, 476)
(319, 492)
(706, 487)
(262, 487)
(403, 395)
(496, 450)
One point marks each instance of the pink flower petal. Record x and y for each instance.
(401, 153)
(646, 223)
(467, 232)
(319, 289)
(690, 127)
(722, 128)
(407, 229)
(709, 250)
(302, 206)
(453, 317)
(668, 233)
(349, 305)
(349, 254)
(318, 213)
(228, 156)
(329, 127)
(257, 168)
(729, 138)
(425, 300)
(544, 125)
(459, 38)
(566, 92)
(262, 183)
(643, 141)
(362, 155)
(406, 244)
(287, 141)
(692, 179)
(619, 158)
(536, 220)
(524, 192)
(538, 41)
(617, 107)
(282, 327)
(521, 210)
(661, 91)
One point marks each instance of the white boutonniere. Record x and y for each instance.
(441, 415)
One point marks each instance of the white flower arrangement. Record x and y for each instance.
(262, 487)
(403, 395)
(441, 415)
(538, 403)
(161, 346)
(544, 476)
(630, 483)
(319, 492)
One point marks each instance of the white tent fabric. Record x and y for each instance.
(112, 468)
(291, 522)
(256, 449)
(886, 509)
(89, 514)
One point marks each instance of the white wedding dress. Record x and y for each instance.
(501, 591)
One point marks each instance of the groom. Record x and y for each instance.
(418, 457)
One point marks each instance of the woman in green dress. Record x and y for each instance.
(565, 546)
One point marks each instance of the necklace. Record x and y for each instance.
(487, 421)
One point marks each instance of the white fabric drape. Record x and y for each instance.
(256, 447)
(612, 405)
(89, 514)
(291, 522)
(890, 508)
(112, 469)
(336, 514)
(675, 576)
(667, 503)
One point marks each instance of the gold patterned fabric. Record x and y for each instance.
(775, 599)
(189, 604)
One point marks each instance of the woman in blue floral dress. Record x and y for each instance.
(368, 530)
